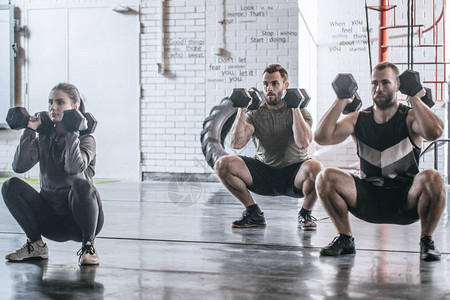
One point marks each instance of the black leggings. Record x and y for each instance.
(82, 221)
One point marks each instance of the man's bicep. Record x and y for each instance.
(344, 128)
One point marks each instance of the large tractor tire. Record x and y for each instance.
(215, 129)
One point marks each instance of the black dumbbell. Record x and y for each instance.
(409, 84)
(73, 120)
(92, 124)
(355, 105)
(46, 123)
(241, 97)
(295, 97)
(345, 86)
(18, 118)
(306, 96)
(256, 99)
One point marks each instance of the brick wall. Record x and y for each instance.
(247, 38)
(342, 48)
(314, 40)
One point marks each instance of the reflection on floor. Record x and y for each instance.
(173, 240)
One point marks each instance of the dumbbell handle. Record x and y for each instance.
(354, 105)
(427, 98)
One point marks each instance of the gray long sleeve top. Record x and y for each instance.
(62, 159)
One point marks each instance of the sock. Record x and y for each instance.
(36, 242)
(253, 208)
(425, 237)
(303, 212)
(345, 236)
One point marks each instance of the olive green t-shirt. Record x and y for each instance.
(273, 136)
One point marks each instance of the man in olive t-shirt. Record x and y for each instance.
(281, 165)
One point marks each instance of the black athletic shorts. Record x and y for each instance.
(383, 204)
(272, 181)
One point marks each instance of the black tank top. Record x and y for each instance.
(386, 151)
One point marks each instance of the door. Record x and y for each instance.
(97, 50)
(6, 62)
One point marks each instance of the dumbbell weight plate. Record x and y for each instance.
(409, 82)
(293, 98)
(306, 97)
(92, 124)
(72, 120)
(240, 97)
(17, 118)
(344, 85)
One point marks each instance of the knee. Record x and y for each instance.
(222, 165)
(431, 183)
(326, 180)
(12, 184)
(430, 180)
(313, 168)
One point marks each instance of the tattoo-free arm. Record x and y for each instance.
(301, 129)
(426, 123)
(241, 131)
(330, 131)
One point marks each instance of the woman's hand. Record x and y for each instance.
(35, 122)
(84, 125)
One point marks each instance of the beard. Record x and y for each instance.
(385, 103)
(273, 99)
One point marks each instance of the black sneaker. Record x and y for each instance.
(428, 251)
(253, 219)
(340, 245)
(306, 222)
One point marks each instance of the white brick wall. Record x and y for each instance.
(300, 35)
(342, 48)
(255, 35)
(341, 25)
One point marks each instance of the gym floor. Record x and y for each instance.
(173, 240)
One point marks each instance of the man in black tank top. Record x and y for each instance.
(391, 188)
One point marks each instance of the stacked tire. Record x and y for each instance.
(215, 129)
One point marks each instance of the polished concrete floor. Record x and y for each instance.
(173, 240)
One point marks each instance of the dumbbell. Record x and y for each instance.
(18, 118)
(409, 84)
(241, 97)
(73, 120)
(295, 97)
(345, 86)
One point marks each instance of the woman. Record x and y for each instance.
(68, 206)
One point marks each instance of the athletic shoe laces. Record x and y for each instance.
(428, 242)
(29, 247)
(89, 248)
(309, 217)
(334, 240)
